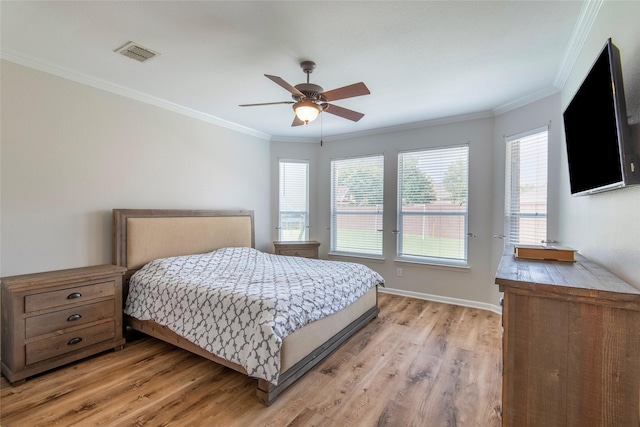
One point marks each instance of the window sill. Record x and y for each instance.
(433, 264)
(373, 258)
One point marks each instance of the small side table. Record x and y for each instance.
(57, 317)
(307, 249)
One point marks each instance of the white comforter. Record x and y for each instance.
(239, 303)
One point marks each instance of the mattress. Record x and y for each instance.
(240, 303)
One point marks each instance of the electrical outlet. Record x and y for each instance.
(399, 272)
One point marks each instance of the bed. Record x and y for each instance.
(142, 238)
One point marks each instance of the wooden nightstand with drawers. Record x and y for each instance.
(308, 249)
(54, 318)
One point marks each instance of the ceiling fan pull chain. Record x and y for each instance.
(321, 130)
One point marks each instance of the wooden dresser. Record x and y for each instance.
(53, 318)
(571, 345)
(307, 249)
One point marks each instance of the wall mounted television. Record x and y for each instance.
(597, 133)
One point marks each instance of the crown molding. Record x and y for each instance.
(389, 129)
(303, 140)
(521, 102)
(415, 125)
(128, 93)
(587, 17)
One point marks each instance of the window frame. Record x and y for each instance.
(333, 250)
(306, 225)
(432, 260)
(509, 215)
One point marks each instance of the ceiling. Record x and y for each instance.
(423, 61)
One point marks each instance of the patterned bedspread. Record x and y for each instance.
(239, 303)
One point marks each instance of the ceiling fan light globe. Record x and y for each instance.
(306, 111)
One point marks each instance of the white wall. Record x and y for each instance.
(545, 112)
(71, 153)
(475, 284)
(605, 227)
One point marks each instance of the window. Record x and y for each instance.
(293, 211)
(356, 206)
(526, 188)
(432, 205)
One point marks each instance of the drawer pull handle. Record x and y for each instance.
(297, 254)
(73, 317)
(75, 340)
(74, 295)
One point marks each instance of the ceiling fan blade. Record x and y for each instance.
(343, 112)
(296, 121)
(284, 84)
(356, 89)
(266, 103)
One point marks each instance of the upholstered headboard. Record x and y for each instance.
(142, 235)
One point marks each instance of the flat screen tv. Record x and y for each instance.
(599, 147)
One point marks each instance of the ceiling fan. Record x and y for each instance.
(310, 99)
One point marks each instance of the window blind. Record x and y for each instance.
(432, 205)
(293, 200)
(526, 188)
(357, 205)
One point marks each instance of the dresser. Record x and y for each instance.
(306, 249)
(53, 318)
(571, 345)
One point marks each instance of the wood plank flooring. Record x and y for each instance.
(419, 363)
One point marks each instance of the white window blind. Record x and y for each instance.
(526, 188)
(293, 200)
(356, 206)
(432, 205)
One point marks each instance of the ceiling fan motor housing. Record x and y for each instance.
(310, 91)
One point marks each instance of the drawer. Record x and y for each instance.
(307, 253)
(45, 349)
(69, 317)
(72, 295)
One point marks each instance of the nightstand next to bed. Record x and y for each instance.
(308, 249)
(53, 318)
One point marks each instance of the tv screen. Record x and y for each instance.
(595, 124)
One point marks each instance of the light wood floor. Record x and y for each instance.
(419, 363)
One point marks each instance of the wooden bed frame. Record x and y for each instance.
(141, 235)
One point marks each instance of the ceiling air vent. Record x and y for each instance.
(135, 51)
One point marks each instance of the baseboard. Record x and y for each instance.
(446, 300)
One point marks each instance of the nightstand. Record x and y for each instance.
(308, 249)
(54, 318)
